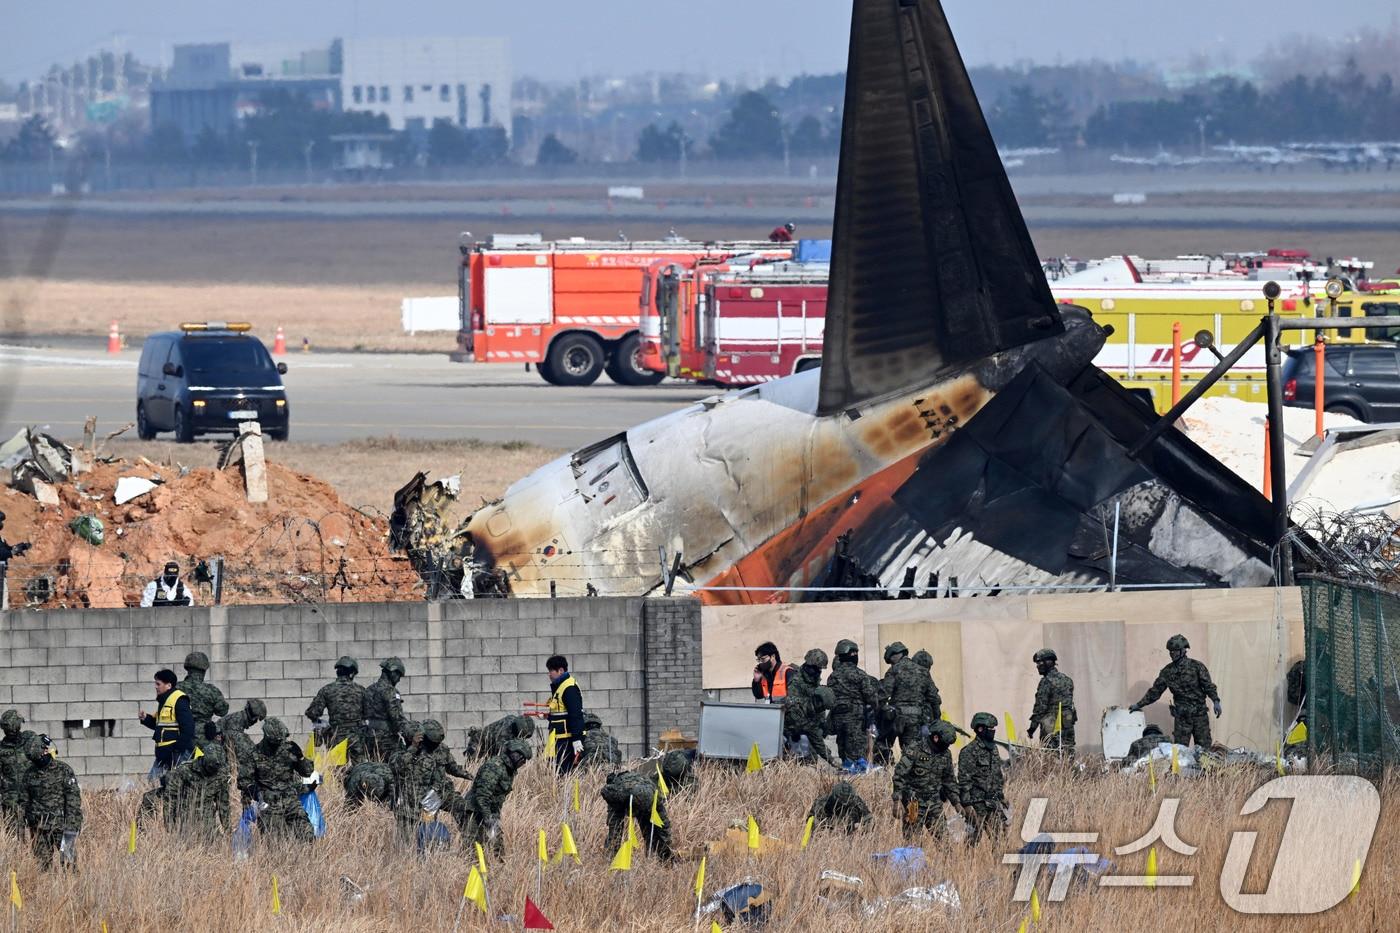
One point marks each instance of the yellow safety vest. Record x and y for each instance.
(167, 727)
(558, 715)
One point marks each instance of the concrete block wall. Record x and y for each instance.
(468, 662)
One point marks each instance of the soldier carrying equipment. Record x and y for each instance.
(1190, 684)
(1053, 713)
(344, 701)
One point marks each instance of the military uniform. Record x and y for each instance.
(856, 695)
(1054, 703)
(599, 747)
(196, 792)
(923, 782)
(840, 808)
(369, 780)
(1190, 684)
(911, 700)
(344, 701)
(1143, 746)
(807, 704)
(206, 700)
(278, 767)
(633, 792)
(238, 745)
(481, 809)
(14, 764)
(981, 785)
(488, 740)
(52, 804)
(383, 712)
(418, 772)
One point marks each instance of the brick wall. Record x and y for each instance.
(468, 662)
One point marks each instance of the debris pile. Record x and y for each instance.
(101, 533)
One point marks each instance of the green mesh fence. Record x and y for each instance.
(1353, 679)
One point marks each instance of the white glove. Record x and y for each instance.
(577, 746)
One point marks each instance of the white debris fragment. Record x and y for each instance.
(131, 487)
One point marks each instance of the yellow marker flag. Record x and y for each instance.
(576, 805)
(1059, 718)
(631, 825)
(1176, 765)
(700, 879)
(544, 848)
(339, 755)
(656, 819)
(715, 927)
(1025, 925)
(566, 845)
(311, 746)
(1010, 728)
(104, 926)
(754, 837)
(1298, 734)
(198, 753)
(1152, 773)
(1152, 867)
(549, 744)
(475, 891)
(622, 861)
(1035, 906)
(661, 782)
(755, 760)
(1355, 878)
(19, 901)
(131, 840)
(807, 831)
(481, 859)
(276, 899)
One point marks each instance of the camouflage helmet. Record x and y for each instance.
(944, 731)
(1151, 729)
(433, 731)
(196, 661)
(11, 721)
(923, 658)
(392, 666)
(1044, 654)
(257, 710)
(1178, 643)
(845, 646)
(815, 658)
(591, 721)
(413, 728)
(893, 650)
(984, 719)
(348, 663)
(675, 764)
(518, 747)
(274, 731)
(843, 790)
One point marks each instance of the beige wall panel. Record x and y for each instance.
(943, 640)
(998, 676)
(1093, 654)
(1243, 661)
(730, 633)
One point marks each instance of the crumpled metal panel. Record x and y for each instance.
(932, 265)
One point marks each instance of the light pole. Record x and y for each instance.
(253, 162)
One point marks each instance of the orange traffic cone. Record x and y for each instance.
(114, 338)
(279, 342)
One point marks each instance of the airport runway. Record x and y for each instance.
(340, 396)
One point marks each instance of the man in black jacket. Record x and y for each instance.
(565, 714)
(172, 727)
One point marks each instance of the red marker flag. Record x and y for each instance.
(534, 920)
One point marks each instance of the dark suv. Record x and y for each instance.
(1361, 380)
(206, 379)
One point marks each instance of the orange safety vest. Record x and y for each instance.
(558, 715)
(167, 727)
(779, 684)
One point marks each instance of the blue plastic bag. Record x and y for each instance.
(312, 805)
(243, 835)
(433, 836)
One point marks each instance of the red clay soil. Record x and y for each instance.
(303, 545)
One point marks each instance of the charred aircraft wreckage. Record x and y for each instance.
(957, 429)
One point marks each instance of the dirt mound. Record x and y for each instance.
(303, 544)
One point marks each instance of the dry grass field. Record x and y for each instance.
(170, 881)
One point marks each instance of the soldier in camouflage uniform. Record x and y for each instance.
(635, 792)
(196, 791)
(1054, 703)
(52, 804)
(206, 700)
(14, 764)
(857, 695)
(419, 772)
(1191, 686)
(599, 746)
(238, 745)
(383, 712)
(840, 808)
(1151, 737)
(481, 810)
(276, 782)
(807, 705)
(344, 701)
(488, 740)
(924, 781)
(369, 780)
(910, 697)
(982, 781)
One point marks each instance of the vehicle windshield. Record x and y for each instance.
(235, 361)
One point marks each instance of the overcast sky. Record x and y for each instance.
(566, 38)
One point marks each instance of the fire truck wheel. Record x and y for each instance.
(546, 373)
(576, 360)
(625, 364)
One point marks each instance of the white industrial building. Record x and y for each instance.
(417, 81)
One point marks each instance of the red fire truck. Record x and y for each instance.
(568, 306)
(733, 322)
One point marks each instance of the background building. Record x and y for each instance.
(416, 81)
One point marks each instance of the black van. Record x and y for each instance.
(1362, 380)
(206, 379)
